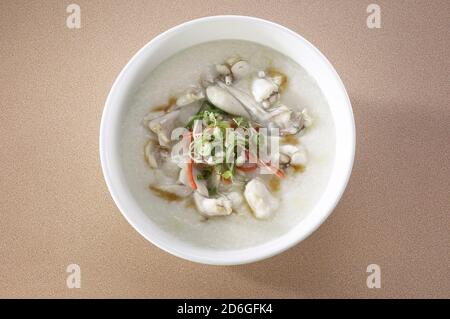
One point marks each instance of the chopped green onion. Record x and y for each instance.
(227, 174)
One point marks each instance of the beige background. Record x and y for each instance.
(56, 209)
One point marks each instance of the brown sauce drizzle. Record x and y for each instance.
(290, 139)
(166, 107)
(274, 72)
(165, 195)
(274, 184)
(189, 203)
(298, 168)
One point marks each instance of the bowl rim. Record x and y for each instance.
(242, 259)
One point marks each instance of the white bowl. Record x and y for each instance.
(211, 29)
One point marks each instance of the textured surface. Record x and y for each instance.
(56, 209)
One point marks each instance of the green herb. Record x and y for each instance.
(241, 122)
(219, 168)
(193, 119)
(212, 191)
(206, 173)
(223, 124)
(227, 174)
(208, 106)
(209, 113)
(217, 122)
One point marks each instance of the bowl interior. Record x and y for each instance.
(213, 29)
